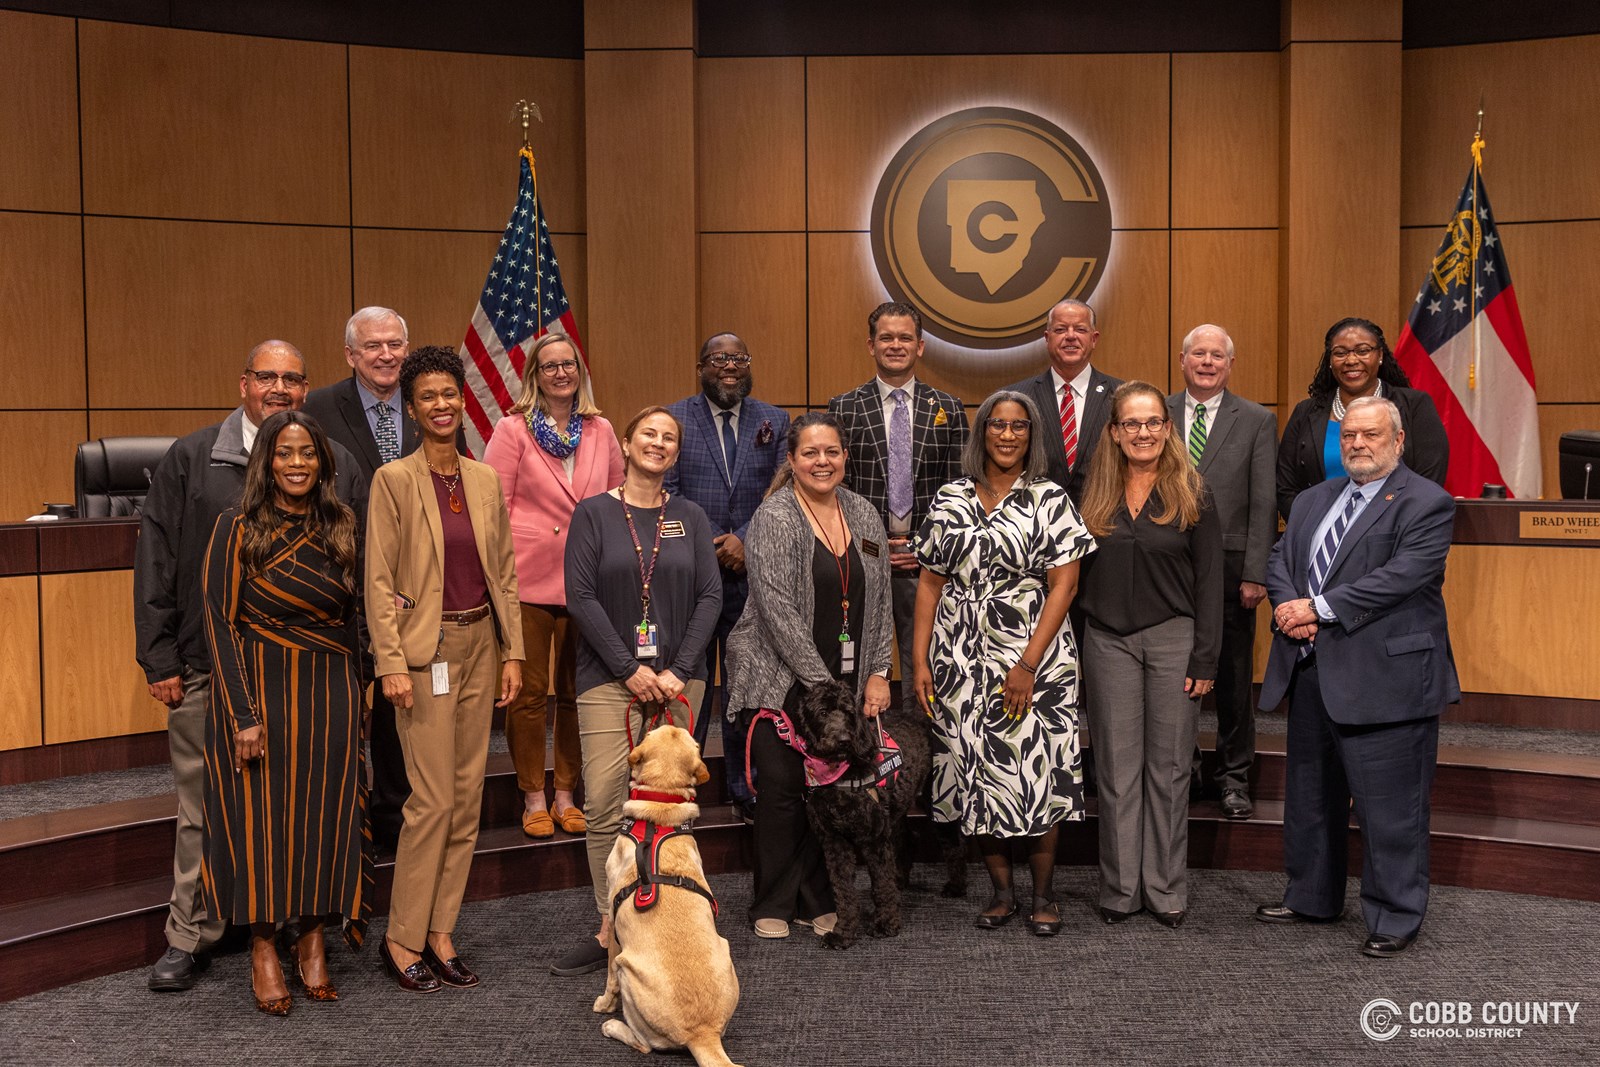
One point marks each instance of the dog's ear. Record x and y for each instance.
(701, 774)
(636, 755)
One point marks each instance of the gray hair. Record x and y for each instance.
(1034, 465)
(371, 316)
(250, 360)
(1071, 303)
(1189, 338)
(1386, 404)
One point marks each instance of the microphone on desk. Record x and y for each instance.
(1587, 467)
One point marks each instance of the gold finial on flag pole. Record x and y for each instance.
(524, 110)
(1477, 138)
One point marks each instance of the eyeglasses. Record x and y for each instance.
(372, 348)
(267, 379)
(1016, 426)
(720, 361)
(566, 366)
(1133, 426)
(1359, 350)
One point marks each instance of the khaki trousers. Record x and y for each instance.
(446, 744)
(187, 926)
(545, 627)
(605, 766)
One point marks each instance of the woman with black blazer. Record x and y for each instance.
(1356, 361)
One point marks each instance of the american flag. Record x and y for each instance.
(1465, 347)
(522, 299)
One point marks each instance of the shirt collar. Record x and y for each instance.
(1371, 489)
(1189, 403)
(248, 430)
(885, 389)
(1080, 384)
(716, 412)
(369, 398)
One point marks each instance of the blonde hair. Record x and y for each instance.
(1178, 484)
(533, 396)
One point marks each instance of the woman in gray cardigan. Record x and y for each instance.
(818, 609)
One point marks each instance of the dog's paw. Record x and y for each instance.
(886, 927)
(835, 940)
(605, 1003)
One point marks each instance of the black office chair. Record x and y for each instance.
(112, 474)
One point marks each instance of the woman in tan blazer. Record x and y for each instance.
(441, 592)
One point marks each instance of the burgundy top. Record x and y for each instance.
(464, 587)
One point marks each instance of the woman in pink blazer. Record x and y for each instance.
(551, 451)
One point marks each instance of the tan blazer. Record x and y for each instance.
(405, 560)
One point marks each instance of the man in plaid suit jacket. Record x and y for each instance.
(723, 414)
(938, 427)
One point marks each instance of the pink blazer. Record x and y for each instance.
(540, 499)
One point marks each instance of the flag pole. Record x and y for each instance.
(525, 110)
(1477, 244)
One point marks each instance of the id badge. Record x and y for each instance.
(441, 679)
(644, 644)
(847, 657)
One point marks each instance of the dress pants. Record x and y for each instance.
(1236, 715)
(602, 712)
(1144, 727)
(187, 926)
(1387, 769)
(446, 743)
(903, 599)
(791, 876)
(390, 787)
(735, 730)
(545, 627)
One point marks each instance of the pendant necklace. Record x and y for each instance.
(450, 484)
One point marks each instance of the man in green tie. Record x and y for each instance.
(1233, 442)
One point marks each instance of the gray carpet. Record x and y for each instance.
(1224, 989)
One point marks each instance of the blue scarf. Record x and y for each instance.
(558, 444)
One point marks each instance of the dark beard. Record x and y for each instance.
(724, 397)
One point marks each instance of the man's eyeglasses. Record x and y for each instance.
(267, 379)
(720, 361)
(1360, 350)
(1133, 426)
(1016, 426)
(565, 366)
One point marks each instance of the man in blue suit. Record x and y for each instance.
(1362, 650)
(731, 446)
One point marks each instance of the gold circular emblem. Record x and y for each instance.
(987, 218)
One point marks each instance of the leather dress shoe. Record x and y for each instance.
(1173, 919)
(1236, 804)
(174, 972)
(995, 922)
(1385, 946)
(451, 971)
(416, 978)
(1044, 927)
(1282, 913)
(1113, 917)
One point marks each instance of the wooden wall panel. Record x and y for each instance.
(43, 443)
(156, 423)
(751, 136)
(1225, 140)
(754, 285)
(213, 126)
(1116, 106)
(842, 288)
(432, 145)
(638, 24)
(1505, 638)
(20, 725)
(38, 113)
(94, 687)
(1341, 20)
(198, 296)
(41, 308)
(1540, 99)
(1229, 277)
(1555, 420)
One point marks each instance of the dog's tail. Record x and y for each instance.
(706, 1048)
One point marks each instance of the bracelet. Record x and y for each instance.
(1024, 665)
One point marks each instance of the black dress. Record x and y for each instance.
(791, 878)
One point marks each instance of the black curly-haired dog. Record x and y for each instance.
(855, 818)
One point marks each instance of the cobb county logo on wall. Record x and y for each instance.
(985, 219)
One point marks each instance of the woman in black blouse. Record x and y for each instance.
(1153, 605)
(1356, 361)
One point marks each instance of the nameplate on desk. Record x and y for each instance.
(1560, 525)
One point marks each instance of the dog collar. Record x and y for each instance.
(659, 797)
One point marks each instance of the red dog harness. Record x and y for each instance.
(648, 839)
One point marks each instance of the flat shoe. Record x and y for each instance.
(538, 824)
(822, 924)
(994, 922)
(572, 821)
(1173, 919)
(587, 957)
(1279, 913)
(1111, 916)
(1385, 946)
(1044, 927)
(772, 929)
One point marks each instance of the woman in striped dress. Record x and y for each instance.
(285, 816)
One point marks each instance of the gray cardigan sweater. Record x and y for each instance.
(772, 646)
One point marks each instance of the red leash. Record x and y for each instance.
(650, 722)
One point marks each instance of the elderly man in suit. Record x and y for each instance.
(731, 446)
(1075, 390)
(366, 415)
(1363, 652)
(903, 442)
(1233, 443)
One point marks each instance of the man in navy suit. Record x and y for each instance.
(1363, 652)
(731, 447)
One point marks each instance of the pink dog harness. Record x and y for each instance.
(820, 773)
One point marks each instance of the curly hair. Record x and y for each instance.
(328, 518)
(1178, 484)
(1324, 384)
(431, 359)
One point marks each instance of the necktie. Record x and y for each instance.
(899, 456)
(730, 443)
(1323, 559)
(386, 435)
(1197, 434)
(1069, 427)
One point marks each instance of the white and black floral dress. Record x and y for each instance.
(996, 775)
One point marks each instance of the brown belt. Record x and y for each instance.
(464, 618)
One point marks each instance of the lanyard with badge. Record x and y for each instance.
(645, 643)
(847, 646)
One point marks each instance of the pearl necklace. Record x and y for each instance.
(1338, 405)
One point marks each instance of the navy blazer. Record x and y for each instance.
(701, 476)
(1091, 425)
(1387, 658)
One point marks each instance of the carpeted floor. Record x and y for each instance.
(1223, 989)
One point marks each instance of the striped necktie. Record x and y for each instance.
(1197, 435)
(1323, 559)
(1069, 427)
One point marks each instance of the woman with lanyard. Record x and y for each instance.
(644, 589)
(818, 610)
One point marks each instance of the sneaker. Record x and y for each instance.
(1236, 804)
(586, 958)
(173, 972)
(772, 929)
(822, 924)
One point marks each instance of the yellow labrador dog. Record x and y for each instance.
(669, 967)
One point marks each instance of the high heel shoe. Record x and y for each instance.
(986, 921)
(273, 1005)
(416, 978)
(451, 971)
(310, 943)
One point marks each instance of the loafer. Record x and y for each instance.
(572, 821)
(822, 924)
(586, 958)
(538, 823)
(416, 978)
(1280, 913)
(451, 971)
(1112, 917)
(995, 922)
(1172, 919)
(174, 972)
(1385, 946)
(1236, 804)
(771, 929)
